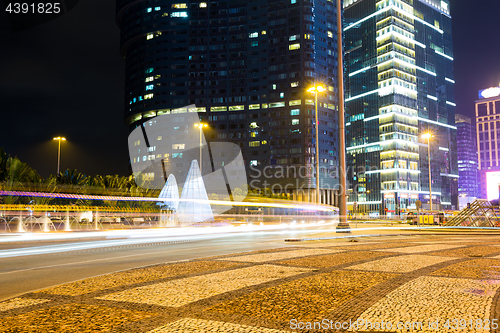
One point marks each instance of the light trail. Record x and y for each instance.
(142, 237)
(121, 198)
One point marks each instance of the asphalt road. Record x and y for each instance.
(66, 261)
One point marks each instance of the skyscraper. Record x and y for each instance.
(399, 65)
(246, 65)
(488, 141)
(467, 156)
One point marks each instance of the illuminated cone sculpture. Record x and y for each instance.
(170, 193)
(191, 210)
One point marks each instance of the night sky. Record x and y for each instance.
(66, 77)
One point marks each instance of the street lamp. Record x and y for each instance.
(200, 126)
(315, 90)
(428, 137)
(342, 158)
(59, 139)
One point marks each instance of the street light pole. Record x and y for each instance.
(342, 144)
(318, 196)
(316, 90)
(430, 175)
(200, 126)
(428, 137)
(59, 139)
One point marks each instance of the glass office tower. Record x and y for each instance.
(488, 141)
(399, 73)
(246, 66)
(467, 156)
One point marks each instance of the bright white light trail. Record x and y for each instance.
(117, 198)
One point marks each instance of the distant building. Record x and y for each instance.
(467, 156)
(246, 66)
(488, 138)
(399, 65)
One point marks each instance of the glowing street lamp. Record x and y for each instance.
(59, 139)
(200, 126)
(428, 137)
(315, 90)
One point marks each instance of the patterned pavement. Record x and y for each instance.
(424, 283)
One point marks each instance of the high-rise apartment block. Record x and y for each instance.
(245, 66)
(467, 156)
(399, 73)
(488, 141)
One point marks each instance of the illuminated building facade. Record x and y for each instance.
(488, 135)
(467, 156)
(246, 66)
(399, 71)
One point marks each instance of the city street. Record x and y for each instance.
(412, 281)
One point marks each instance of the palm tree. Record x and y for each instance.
(15, 173)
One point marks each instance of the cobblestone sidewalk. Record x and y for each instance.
(393, 284)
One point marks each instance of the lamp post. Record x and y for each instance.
(315, 90)
(342, 158)
(428, 137)
(200, 126)
(59, 139)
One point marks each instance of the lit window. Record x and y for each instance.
(179, 14)
(282, 95)
(292, 38)
(148, 96)
(253, 163)
(274, 87)
(149, 10)
(149, 70)
(254, 143)
(157, 9)
(293, 1)
(178, 146)
(180, 5)
(177, 155)
(160, 138)
(295, 121)
(295, 112)
(149, 87)
(263, 32)
(330, 34)
(294, 84)
(149, 79)
(150, 36)
(203, 5)
(294, 47)
(253, 35)
(276, 105)
(254, 125)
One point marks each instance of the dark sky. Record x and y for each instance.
(66, 77)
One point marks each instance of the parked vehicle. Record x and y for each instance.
(426, 218)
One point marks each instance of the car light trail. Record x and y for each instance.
(121, 198)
